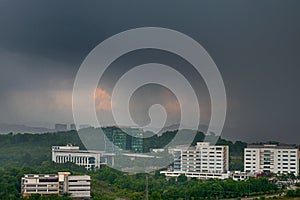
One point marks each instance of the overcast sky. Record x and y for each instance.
(255, 44)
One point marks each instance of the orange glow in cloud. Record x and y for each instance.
(173, 106)
(103, 100)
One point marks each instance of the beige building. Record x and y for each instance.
(271, 158)
(58, 184)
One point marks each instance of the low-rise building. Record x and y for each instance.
(56, 184)
(241, 176)
(89, 159)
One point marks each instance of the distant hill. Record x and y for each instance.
(16, 128)
(33, 149)
(201, 127)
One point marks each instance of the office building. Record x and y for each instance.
(135, 137)
(56, 184)
(201, 161)
(121, 139)
(89, 159)
(271, 158)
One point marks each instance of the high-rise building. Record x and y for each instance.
(108, 139)
(61, 127)
(201, 161)
(119, 138)
(56, 184)
(271, 158)
(135, 139)
(89, 159)
(123, 139)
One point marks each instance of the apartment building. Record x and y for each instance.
(271, 158)
(201, 161)
(56, 184)
(89, 159)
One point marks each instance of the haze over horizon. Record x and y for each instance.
(255, 45)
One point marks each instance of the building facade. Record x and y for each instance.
(89, 159)
(271, 158)
(136, 139)
(201, 161)
(56, 184)
(120, 139)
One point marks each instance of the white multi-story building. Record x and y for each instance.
(201, 161)
(69, 153)
(271, 158)
(56, 184)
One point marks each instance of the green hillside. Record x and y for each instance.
(31, 153)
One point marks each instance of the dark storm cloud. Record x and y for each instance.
(255, 44)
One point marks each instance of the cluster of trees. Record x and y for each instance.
(108, 184)
(33, 149)
(133, 187)
(28, 153)
(293, 193)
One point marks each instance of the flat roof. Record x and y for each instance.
(272, 146)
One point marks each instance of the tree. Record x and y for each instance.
(181, 178)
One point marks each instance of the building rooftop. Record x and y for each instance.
(271, 146)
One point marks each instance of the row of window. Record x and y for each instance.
(248, 151)
(50, 190)
(204, 167)
(203, 159)
(269, 155)
(203, 163)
